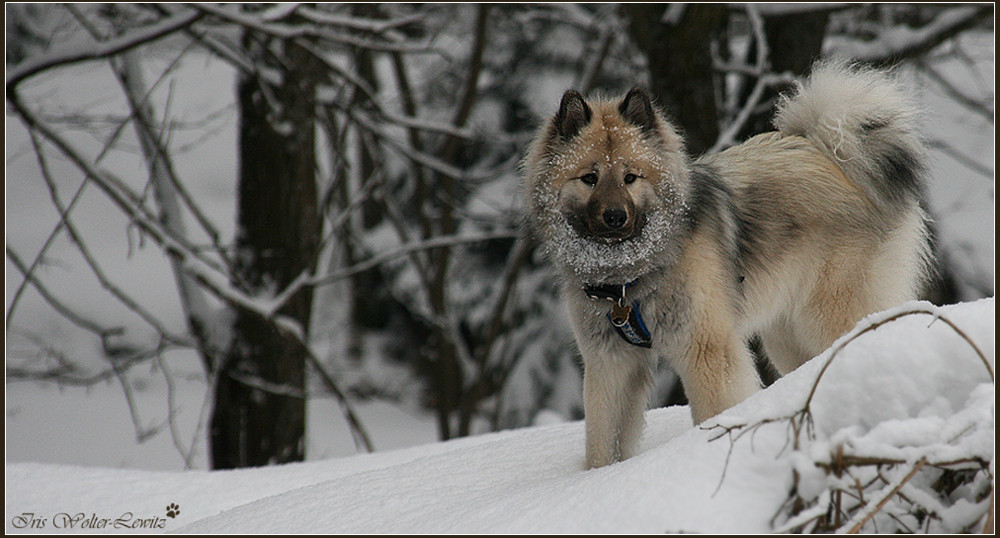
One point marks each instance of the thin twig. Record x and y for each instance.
(934, 312)
(76, 52)
(175, 434)
(105, 282)
(886, 495)
(68, 313)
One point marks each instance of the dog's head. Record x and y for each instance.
(606, 171)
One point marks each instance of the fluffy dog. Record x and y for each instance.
(794, 235)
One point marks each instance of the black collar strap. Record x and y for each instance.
(611, 292)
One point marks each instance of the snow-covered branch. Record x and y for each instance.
(429, 244)
(901, 42)
(375, 26)
(78, 53)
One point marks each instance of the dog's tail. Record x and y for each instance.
(865, 121)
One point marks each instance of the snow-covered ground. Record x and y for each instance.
(911, 389)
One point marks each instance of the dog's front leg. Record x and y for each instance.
(615, 393)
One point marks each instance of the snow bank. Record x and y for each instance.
(911, 389)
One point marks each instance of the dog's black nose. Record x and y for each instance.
(615, 217)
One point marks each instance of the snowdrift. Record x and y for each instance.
(890, 429)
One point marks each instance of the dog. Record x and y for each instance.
(794, 235)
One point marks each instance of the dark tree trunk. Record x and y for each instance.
(448, 376)
(680, 65)
(259, 415)
(794, 42)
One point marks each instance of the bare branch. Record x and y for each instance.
(899, 43)
(65, 311)
(588, 77)
(435, 242)
(431, 162)
(926, 310)
(360, 436)
(79, 53)
(130, 205)
(94, 266)
(375, 26)
(197, 311)
(981, 107)
(757, 23)
(63, 215)
(944, 146)
(175, 435)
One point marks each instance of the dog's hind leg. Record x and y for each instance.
(718, 372)
(615, 394)
(858, 284)
(782, 347)
(713, 361)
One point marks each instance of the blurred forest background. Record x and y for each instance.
(358, 238)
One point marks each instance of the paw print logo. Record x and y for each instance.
(173, 510)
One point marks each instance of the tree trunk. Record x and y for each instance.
(194, 300)
(680, 64)
(259, 415)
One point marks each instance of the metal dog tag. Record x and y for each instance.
(620, 314)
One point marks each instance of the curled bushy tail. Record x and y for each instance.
(866, 122)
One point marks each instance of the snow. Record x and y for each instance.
(911, 387)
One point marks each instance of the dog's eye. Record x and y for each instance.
(589, 179)
(630, 178)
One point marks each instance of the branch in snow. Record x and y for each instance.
(318, 26)
(76, 53)
(929, 310)
(883, 497)
(728, 137)
(841, 461)
(279, 11)
(256, 22)
(436, 242)
(375, 26)
(901, 42)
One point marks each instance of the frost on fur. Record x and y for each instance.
(866, 121)
(576, 135)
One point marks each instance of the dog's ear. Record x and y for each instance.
(573, 115)
(637, 109)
